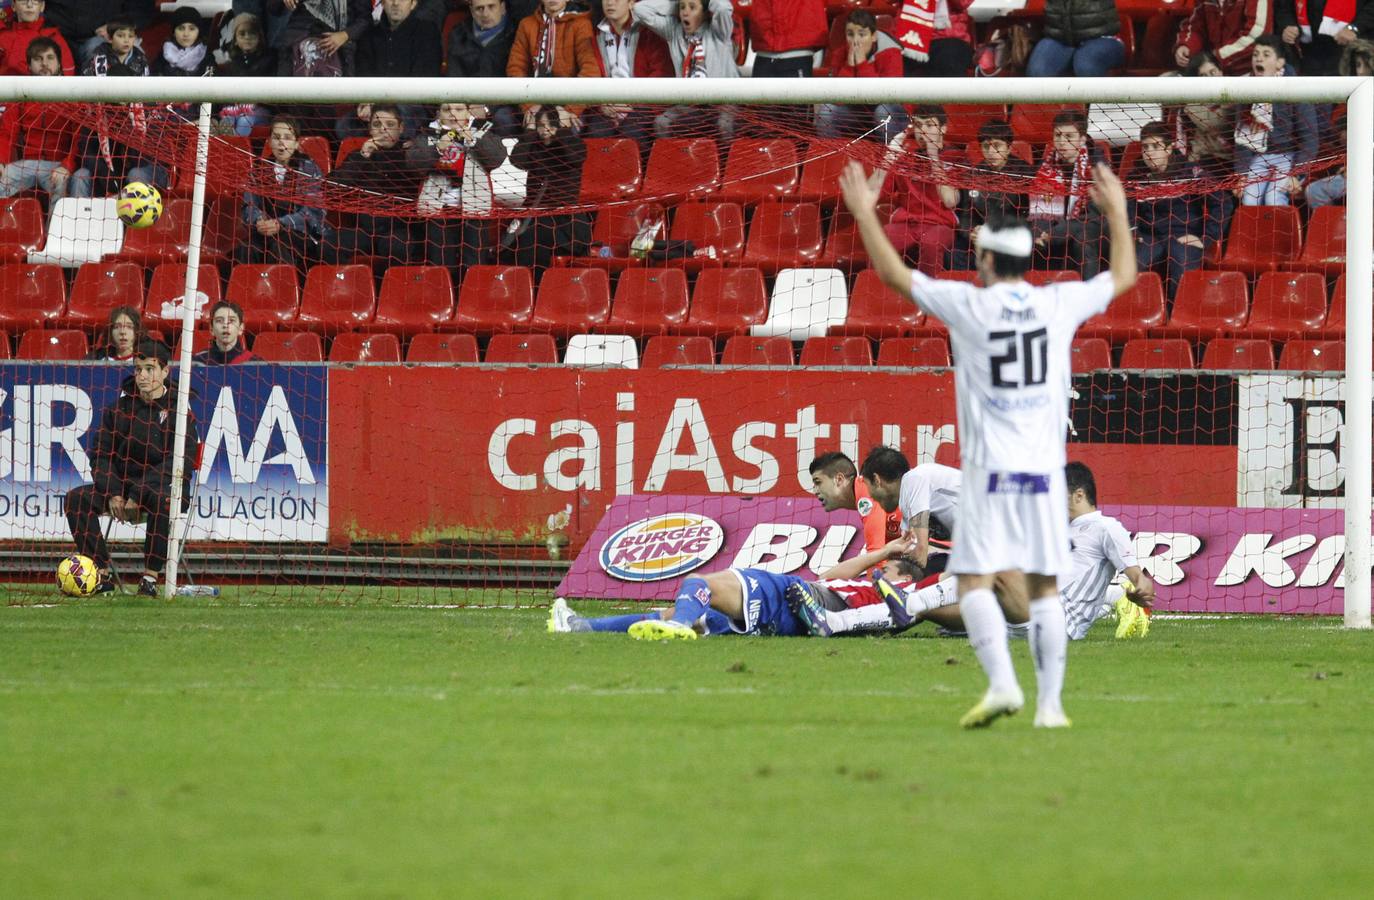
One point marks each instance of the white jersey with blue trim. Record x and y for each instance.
(1101, 549)
(930, 488)
(1011, 364)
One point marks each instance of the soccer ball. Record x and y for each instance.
(77, 576)
(138, 205)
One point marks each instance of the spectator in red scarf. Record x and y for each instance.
(1068, 228)
(552, 42)
(1320, 30)
(936, 38)
(626, 48)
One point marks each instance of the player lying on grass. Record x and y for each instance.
(757, 602)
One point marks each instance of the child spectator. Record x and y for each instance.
(1229, 28)
(936, 38)
(399, 44)
(122, 334)
(480, 47)
(625, 49)
(700, 41)
(1204, 129)
(998, 167)
(1321, 30)
(922, 225)
(867, 53)
(1272, 138)
(1068, 228)
(28, 23)
(1171, 227)
(283, 206)
(40, 146)
(460, 151)
(552, 154)
(246, 55)
(786, 35)
(1080, 38)
(226, 333)
(553, 43)
(380, 166)
(120, 55)
(83, 23)
(186, 53)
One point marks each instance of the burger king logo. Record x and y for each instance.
(661, 547)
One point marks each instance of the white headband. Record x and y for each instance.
(1013, 241)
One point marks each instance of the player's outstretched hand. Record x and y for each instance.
(860, 193)
(1106, 191)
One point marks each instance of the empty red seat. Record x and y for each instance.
(347, 147)
(169, 285)
(365, 348)
(31, 296)
(338, 298)
(21, 228)
(877, 311)
(1287, 305)
(616, 226)
(1089, 355)
(572, 301)
(682, 167)
(747, 350)
(1334, 325)
(289, 346)
(726, 301)
(200, 340)
(163, 241)
(837, 351)
(442, 348)
(1324, 249)
(100, 287)
(1132, 315)
(966, 118)
(648, 301)
(1262, 238)
(784, 235)
(231, 157)
(711, 224)
(1238, 353)
(1157, 353)
(522, 348)
(1313, 356)
(494, 299)
(610, 171)
(758, 170)
(54, 344)
(923, 352)
(844, 248)
(1208, 304)
(414, 299)
(268, 294)
(1034, 122)
(676, 350)
(822, 163)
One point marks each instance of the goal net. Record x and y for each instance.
(453, 345)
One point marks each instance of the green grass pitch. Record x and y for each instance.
(329, 745)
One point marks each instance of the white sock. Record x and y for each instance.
(987, 634)
(941, 593)
(1049, 644)
(873, 617)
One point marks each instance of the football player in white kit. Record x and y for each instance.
(1012, 380)
(1101, 549)
(921, 493)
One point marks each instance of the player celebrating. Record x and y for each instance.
(836, 483)
(1011, 350)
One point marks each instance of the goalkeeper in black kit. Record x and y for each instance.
(131, 467)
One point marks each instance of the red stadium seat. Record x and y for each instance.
(231, 158)
(1132, 315)
(289, 346)
(355, 347)
(1129, 157)
(1262, 238)
(164, 241)
(1324, 249)
(31, 296)
(837, 351)
(1089, 355)
(1157, 353)
(822, 164)
(758, 170)
(844, 248)
(1208, 304)
(348, 146)
(1334, 326)
(169, 285)
(21, 228)
(877, 311)
(648, 301)
(711, 224)
(784, 235)
(924, 352)
(673, 350)
(494, 299)
(442, 348)
(100, 287)
(746, 350)
(682, 167)
(966, 118)
(200, 340)
(572, 301)
(1313, 356)
(522, 348)
(54, 345)
(1053, 276)
(1034, 122)
(611, 170)
(338, 298)
(1287, 305)
(617, 225)
(414, 299)
(726, 301)
(268, 294)
(5, 349)
(1238, 353)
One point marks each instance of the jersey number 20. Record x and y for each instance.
(1029, 350)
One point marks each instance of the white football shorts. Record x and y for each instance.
(1012, 520)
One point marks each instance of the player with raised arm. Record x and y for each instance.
(1012, 381)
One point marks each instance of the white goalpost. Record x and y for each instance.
(1356, 93)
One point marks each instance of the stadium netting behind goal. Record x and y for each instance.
(463, 338)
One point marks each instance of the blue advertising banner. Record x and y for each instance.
(263, 474)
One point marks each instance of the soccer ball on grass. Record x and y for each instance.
(139, 205)
(77, 576)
